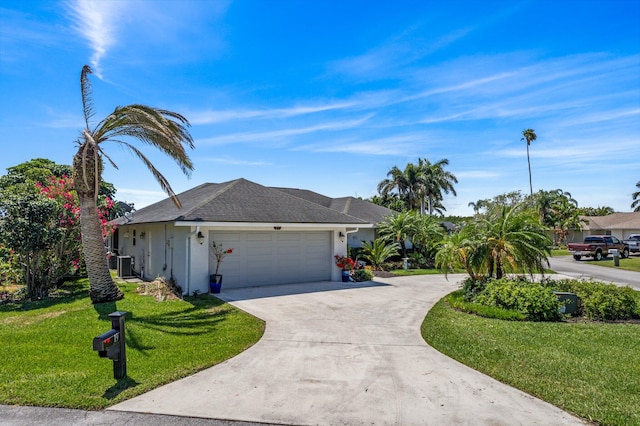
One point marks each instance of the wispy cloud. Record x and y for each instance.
(95, 20)
(477, 174)
(276, 135)
(233, 161)
(393, 145)
(213, 116)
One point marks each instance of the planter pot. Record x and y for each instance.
(215, 283)
(346, 276)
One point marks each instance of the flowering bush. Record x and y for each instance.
(346, 263)
(219, 252)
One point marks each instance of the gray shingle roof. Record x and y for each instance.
(240, 200)
(372, 213)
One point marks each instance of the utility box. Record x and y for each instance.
(570, 302)
(125, 267)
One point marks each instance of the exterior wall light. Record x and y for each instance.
(200, 237)
(341, 236)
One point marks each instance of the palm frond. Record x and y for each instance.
(164, 184)
(86, 90)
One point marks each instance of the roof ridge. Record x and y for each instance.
(346, 206)
(228, 185)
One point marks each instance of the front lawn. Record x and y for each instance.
(590, 369)
(47, 357)
(632, 263)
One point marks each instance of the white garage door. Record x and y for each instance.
(266, 258)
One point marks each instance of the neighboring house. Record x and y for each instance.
(620, 225)
(278, 235)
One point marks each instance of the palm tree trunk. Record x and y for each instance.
(529, 163)
(102, 288)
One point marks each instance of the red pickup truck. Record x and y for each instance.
(598, 246)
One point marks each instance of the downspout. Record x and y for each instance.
(350, 232)
(188, 259)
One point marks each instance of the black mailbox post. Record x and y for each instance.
(111, 344)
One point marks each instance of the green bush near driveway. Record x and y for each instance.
(587, 368)
(47, 357)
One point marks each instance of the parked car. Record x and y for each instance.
(633, 242)
(598, 246)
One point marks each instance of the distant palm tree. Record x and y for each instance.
(433, 180)
(407, 182)
(477, 205)
(529, 135)
(162, 129)
(636, 199)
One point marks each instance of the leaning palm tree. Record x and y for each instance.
(529, 135)
(162, 129)
(636, 199)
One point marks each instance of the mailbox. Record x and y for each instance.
(111, 344)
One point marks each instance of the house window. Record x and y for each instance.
(134, 237)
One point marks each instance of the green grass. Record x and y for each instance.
(47, 357)
(559, 252)
(590, 369)
(632, 263)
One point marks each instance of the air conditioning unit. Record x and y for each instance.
(125, 266)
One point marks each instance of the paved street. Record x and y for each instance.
(588, 269)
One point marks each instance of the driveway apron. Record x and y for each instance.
(346, 354)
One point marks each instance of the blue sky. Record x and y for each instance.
(329, 95)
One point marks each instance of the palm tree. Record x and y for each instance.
(406, 182)
(461, 249)
(162, 129)
(480, 204)
(514, 236)
(378, 252)
(433, 180)
(636, 199)
(398, 228)
(529, 135)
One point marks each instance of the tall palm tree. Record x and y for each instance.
(406, 182)
(159, 128)
(529, 135)
(434, 179)
(636, 199)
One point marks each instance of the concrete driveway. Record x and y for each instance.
(346, 354)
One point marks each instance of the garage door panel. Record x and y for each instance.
(278, 257)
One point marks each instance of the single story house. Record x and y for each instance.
(620, 225)
(278, 235)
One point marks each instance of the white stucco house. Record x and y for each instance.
(278, 235)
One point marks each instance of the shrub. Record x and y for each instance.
(457, 300)
(473, 287)
(601, 301)
(534, 301)
(360, 275)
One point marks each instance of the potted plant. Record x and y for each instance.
(346, 264)
(219, 252)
